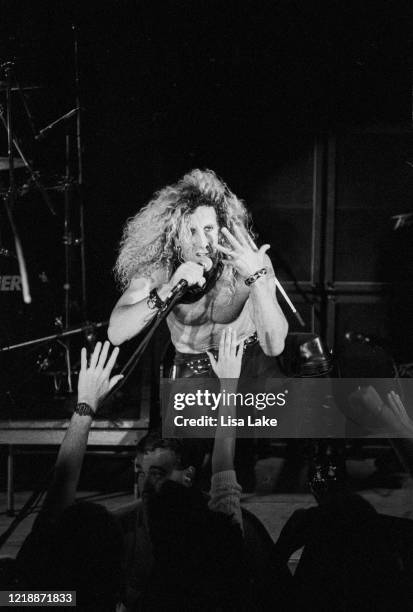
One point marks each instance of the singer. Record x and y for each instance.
(194, 237)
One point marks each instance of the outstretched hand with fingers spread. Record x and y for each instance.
(242, 253)
(94, 381)
(228, 364)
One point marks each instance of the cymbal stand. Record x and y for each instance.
(79, 148)
(68, 238)
(68, 242)
(12, 140)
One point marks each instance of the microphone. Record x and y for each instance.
(182, 285)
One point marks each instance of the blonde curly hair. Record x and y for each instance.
(152, 239)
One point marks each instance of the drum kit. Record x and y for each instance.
(43, 306)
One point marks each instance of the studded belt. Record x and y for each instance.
(199, 363)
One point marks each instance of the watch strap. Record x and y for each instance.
(84, 409)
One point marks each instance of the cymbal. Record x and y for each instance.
(4, 85)
(4, 163)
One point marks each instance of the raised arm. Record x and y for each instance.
(255, 267)
(227, 367)
(368, 407)
(134, 310)
(94, 383)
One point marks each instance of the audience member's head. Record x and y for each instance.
(160, 459)
(198, 553)
(86, 556)
(349, 561)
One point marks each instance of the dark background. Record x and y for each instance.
(244, 88)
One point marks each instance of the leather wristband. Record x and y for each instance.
(251, 279)
(84, 409)
(154, 302)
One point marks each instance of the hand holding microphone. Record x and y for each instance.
(187, 275)
(190, 273)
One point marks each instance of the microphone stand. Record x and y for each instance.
(133, 361)
(131, 364)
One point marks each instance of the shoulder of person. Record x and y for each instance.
(157, 278)
(140, 286)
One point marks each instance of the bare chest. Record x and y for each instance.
(223, 304)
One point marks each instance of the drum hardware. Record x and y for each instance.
(88, 328)
(7, 253)
(5, 165)
(23, 160)
(9, 198)
(5, 87)
(69, 240)
(71, 237)
(44, 132)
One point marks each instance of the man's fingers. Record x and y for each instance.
(251, 242)
(111, 361)
(240, 349)
(224, 250)
(233, 241)
(264, 248)
(95, 355)
(398, 401)
(393, 402)
(241, 235)
(103, 355)
(211, 358)
(222, 343)
(234, 343)
(114, 381)
(228, 341)
(83, 359)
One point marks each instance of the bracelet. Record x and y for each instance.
(251, 279)
(84, 409)
(154, 301)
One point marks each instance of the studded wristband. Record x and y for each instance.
(251, 279)
(154, 302)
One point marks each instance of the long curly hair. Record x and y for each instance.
(153, 238)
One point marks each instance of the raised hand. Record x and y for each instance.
(243, 255)
(228, 364)
(369, 410)
(94, 381)
(398, 409)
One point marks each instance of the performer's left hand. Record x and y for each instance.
(244, 255)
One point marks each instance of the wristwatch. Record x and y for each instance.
(84, 409)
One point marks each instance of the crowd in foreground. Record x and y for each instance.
(183, 549)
